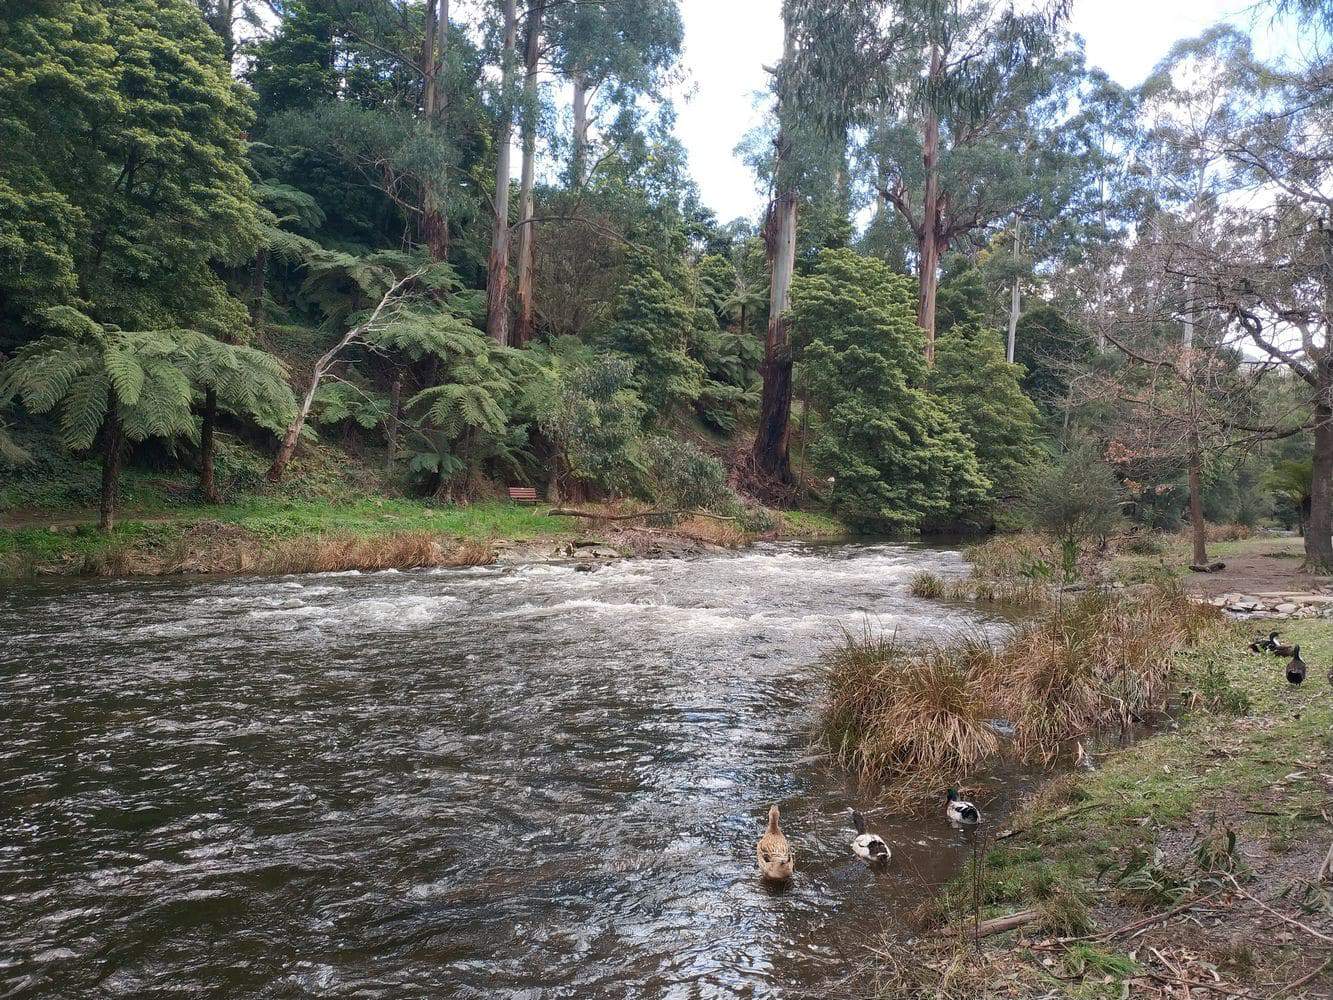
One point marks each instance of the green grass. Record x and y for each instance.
(811, 524)
(374, 516)
(1213, 761)
(34, 549)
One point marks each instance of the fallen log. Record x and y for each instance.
(995, 925)
(595, 516)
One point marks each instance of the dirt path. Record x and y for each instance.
(1264, 565)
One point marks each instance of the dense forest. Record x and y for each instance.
(462, 243)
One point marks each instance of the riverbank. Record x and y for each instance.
(285, 535)
(1187, 864)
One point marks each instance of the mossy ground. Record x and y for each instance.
(1152, 826)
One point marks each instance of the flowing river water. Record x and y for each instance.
(504, 782)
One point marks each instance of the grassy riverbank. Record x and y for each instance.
(1218, 826)
(285, 535)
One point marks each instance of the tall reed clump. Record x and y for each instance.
(917, 715)
(1102, 660)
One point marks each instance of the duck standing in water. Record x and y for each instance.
(869, 847)
(961, 812)
(1296, 668)
(777, 861)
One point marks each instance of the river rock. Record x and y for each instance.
(1287, 608)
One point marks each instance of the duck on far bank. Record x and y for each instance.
(777, 861)
(869, 847)
(1263, 645)
(1296, 668)
(960, 811)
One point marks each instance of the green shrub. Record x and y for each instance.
(683, 477)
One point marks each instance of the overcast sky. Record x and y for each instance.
(727, 42)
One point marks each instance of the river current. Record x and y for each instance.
(503, 782)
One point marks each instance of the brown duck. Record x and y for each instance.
(776, 858)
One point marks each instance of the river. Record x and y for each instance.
(503, 782)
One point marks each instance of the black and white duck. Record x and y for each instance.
(869, 847)
(960, 811)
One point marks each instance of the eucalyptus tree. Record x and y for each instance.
(956, 83)
(527, 236)
(612, 49)
(497, 266)
(817, 91)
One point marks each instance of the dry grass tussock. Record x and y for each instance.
(706, 529)
(338, 553)
(919, 715)
(1098, 661)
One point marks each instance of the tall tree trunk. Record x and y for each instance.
(527, 235)
(434, 221)
(931, 237)
(113, 448)
(391, 428)
(771, 443)
(1319, 528)
(579, 148)
(1198, 526)
(771, 452)
(497, 268)
(1015, 298)
(208, 448)
(429, 66)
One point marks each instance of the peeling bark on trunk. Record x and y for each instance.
(208, 448)
(113, 447)
(527, 237)
(772, 438)
(929, 245)
(497, 268)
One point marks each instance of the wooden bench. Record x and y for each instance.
(523, 494)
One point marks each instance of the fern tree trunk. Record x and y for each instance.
(113, 449)
(208, 448)
(391, 430)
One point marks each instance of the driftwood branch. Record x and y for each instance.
(1157, 918)
(1007, 834)
(995, 925)
(1281, 916)
(594, 516)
